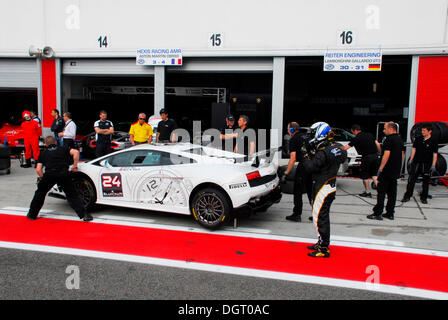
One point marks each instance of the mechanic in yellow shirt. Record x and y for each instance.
(140, 132)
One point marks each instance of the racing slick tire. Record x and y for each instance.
(86, 191)
(210, 207)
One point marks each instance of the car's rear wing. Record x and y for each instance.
(266, 155)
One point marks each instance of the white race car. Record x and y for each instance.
(183, 178)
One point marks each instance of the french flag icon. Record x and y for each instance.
(176, 62)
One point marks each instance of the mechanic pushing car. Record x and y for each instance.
(31, 133)
(323, 164)
(56, 161)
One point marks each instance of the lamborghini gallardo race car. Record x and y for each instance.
(184, 178)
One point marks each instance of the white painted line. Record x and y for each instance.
(352, 244)
(368, 240)
(122, 218)
(26, 209)
(232, 270)
(250, 230)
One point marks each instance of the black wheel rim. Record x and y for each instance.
(209, 208)
(85, 191)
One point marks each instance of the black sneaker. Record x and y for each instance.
(30, 217)
(374, 217)
(424, 201)
(310, 218)
(87, 217)
(314, 247)
(294, 217)
(388, 216)
(321, 252)
(366, 195)
(405, 199)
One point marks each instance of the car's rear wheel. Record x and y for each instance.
(86, 191)
(210, 207)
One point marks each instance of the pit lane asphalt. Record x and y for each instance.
(31, 275)
(416, 225)
(40, 276)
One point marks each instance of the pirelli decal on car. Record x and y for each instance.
(112, 185)
(238, 185)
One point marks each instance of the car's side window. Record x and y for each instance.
(146, 158)
(121, 159)
(173, 159)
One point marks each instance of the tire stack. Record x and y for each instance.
(440, 133)
(5, 159)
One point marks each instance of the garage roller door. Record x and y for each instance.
(19, 73)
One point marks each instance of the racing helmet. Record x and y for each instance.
(320, 130)
(320, 134)
(26, 115)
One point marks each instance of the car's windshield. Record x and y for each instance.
(342, 135)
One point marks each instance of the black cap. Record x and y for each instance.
(163, 110)
(230, 117)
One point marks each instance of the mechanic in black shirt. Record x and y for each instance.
(165, 128)
(104, 129)
(388, 173)
(366, 145)
(302, 179)
(245, 137)
(227, 134)
(56, 161)
(423, 161)
(57, 126)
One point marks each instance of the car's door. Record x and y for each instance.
(162, 185)
(121, 171)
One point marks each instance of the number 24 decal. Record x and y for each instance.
(109, 181)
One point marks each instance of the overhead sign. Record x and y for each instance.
(352, 60)
(159, 57)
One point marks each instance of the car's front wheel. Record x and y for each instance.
(210, 207)
(86, 191)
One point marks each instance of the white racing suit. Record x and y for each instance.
(324, 167)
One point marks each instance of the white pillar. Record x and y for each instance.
(412, 102)
(412, 94)
(278, 86)
(159, 89)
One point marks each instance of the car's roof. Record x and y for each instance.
(187, 148)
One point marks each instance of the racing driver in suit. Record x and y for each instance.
(323, 165)
(31, 133)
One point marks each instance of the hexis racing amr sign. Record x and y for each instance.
(112, 185)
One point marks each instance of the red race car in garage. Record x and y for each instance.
(12, 136)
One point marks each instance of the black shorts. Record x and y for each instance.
(369, 166)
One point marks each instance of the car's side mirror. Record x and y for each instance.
(105, 164)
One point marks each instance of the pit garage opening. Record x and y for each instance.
(228, 93)
(13, 102)
(344, 98)
(202, 89)
(118, 86)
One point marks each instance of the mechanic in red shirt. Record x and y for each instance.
(31, 133)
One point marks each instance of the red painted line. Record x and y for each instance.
(397, 269)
